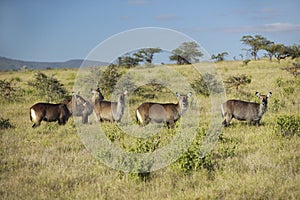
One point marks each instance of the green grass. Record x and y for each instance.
(51, 161)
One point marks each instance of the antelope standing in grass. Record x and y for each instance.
(107, 110)
(49, 112)
(167, 113)
(80, 107)
(245, 111)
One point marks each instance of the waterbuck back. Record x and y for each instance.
(167, 113)
(49, 112)
(245, 111)
(107, 110)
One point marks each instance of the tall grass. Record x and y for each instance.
(247, 162)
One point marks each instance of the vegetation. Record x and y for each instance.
(5, 123)
(109, 79)
(48, 87)
(219, 57)
(9, 91)
(186, 53)
(279, 51)
(288, 125)
(256, 43)
(247, 162)
(237, 80)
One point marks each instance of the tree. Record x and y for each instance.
(256, 43)
(146, 55)
(186, 53)
(276, 50)
(219, 57)
(128, 61)
(294, 51)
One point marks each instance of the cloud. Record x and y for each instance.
(267, 10)
(166, 17)
(274, 27)
(138, 2)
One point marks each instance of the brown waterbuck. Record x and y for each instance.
(245, 111)
(167, 113)
(107, 110)
(49, 112)
(79, 107)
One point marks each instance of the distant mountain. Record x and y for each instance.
(7, 64)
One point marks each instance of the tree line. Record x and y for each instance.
(188, 52)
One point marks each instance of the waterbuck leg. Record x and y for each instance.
(85, 119)
(227, 119)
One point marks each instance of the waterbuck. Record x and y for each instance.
(107, 110)
(49, 112)
(167, 113)
(79, 107)
(245, 111)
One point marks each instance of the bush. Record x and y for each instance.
(192, 160)
(8, 90)
(49, 87)
(237, 80)
(109, 79)
(200, 86)
(5, 123)
(288, 125)
(245, 62)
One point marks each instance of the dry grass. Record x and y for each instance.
(52, 162)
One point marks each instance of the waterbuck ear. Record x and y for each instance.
(189, 94)
(73, 93)
(269, 94)
(177, 94)
(125, 92)
(257, 94)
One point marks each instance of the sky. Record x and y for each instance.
(60, 30)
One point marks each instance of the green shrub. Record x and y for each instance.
(5, 123)
(288, 125)
(109, 79)
(49, 87)
(277, 104)
(245, 62)
(192, 160)
(237, 80)
(9, 91)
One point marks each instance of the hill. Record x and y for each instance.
(7, 64)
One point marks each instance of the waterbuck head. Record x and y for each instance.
(183, 102)
(263, 98)
(97, 95)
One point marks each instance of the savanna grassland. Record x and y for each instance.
(247, 162)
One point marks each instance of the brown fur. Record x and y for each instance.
(107, 110)
(245, 111)
(167, 113)
(49, 112)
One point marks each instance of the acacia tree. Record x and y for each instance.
(186, 53)
(146, 55)
(128, 61)
(279, 51)
(256, 43)
(294, 51)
